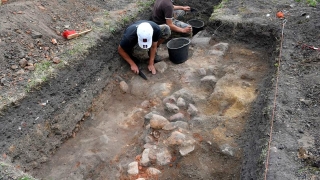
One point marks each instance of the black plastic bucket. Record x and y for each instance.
(197, 25)
(178, 49)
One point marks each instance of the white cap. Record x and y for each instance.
(145, 32)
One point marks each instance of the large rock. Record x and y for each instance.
(158, 122)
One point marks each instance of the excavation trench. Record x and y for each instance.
(187, 121)
(202, 119)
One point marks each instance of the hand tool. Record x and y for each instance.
(70, 34)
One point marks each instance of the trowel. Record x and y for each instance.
(142, 75)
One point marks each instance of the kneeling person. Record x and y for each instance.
(148, 35)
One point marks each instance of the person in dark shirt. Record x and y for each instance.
(164, 12)
(148, 35)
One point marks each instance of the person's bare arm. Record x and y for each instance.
(176, 28)
(153, 51)
(127, 58)
(185, 8)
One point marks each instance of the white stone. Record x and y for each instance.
(211, 78)
(133, 168)
(145, 158)
(227, 149)
(184, 150)
(153, 171)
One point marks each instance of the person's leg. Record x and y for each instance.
(178, 14)
(165, 33)
(180, 23)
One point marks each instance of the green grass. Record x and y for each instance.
(25, 178)
(312, 3)
(43, 71)
(220, 5)
(107, 13)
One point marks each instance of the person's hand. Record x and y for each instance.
(186, 8)
(135, 68)
(187, 30)
(152, 69)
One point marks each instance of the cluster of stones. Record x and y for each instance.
(166, 135)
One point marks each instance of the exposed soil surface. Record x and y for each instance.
(245, 105)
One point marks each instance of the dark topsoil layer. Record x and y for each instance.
(71, 91)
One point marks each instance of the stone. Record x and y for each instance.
(185, 94)
(210, 78)
(181, 102)
(145, 158)
(172, 107)
(184, 150)
(158, 122)
(192, 110)
(176, 138)
(169, 127)
(181, 124)
(153, 171)
(133, 168)
(35, 35)
(30, 68)
(202, 72)
(160, 90)
(176, 117)
(124, 87)
(56, 60)
(227, 149)
(169, 99)
(5, 82)
(163, 157)
(23, 62)
(14, 67)
(223, 47)
(161, 66)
